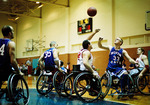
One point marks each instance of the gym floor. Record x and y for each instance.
(53, 99)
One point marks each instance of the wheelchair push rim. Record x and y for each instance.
(87, 87)
(44, 84)
(143, 84)
(18, 89)
(58, 81)
(68, 86)
(105, 84)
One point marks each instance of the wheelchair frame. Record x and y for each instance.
(75, 86)
(142, 84)
(107, 82)
(58, 81)
(47, 81)
(15, 92)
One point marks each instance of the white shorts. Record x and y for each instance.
(135, 71)
(117, 74)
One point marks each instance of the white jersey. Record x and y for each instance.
(141, 66)
(140, 61)
(80, 60)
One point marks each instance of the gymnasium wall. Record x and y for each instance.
(27, 29)
(130, 17)
(100, 60)
(4, 21)
(115, 18)
(123, 18)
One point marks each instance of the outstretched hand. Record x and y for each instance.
(97, 30)
(100, 38)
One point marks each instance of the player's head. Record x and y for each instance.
(140, 50)
(118, 41)
(86, 44)
(53, 44)
(8, 31)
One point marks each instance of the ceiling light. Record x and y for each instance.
(40, 6)
(37, 2)
(5, 0)
(16, 18)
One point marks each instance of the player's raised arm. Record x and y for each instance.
(102, 46)
(91, 36)
(129, 58)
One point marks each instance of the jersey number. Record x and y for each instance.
(2, 50)
(116, 59)
(48, 54)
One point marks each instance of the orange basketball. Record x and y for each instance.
(92, 11)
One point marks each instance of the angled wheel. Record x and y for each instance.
(130, 87)
(105, 84)
(68, 85)
(18, 89)
(44, 83)
(58, 79)
(87, 87)
(143, 84)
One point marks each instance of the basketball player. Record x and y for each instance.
(8, 61)
(50, 58)
(85, 58)
(142, 63)
(116, 56)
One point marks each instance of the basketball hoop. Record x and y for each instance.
(28, 49)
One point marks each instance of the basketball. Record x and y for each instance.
(92, 11)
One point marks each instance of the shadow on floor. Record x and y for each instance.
(53, 99)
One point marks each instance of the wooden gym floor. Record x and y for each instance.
(53, 99)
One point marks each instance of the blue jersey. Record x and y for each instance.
(49, 59)
(115, 60)
(5, 64)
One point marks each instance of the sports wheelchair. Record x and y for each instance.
(16, 90)
(142, 84)
(113, 83)
(82, 84)
(48, 80)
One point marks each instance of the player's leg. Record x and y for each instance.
(123, 75)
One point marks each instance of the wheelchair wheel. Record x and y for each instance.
(143, 84)
(44, 84)
(68, 85)
(87, 87)
(18, 89)
(130, 87)
(105, 84)
(58, 80)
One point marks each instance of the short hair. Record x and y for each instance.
(52, 43)
(142, 50)
(121, 40)
(6, 29)
(85, 44)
